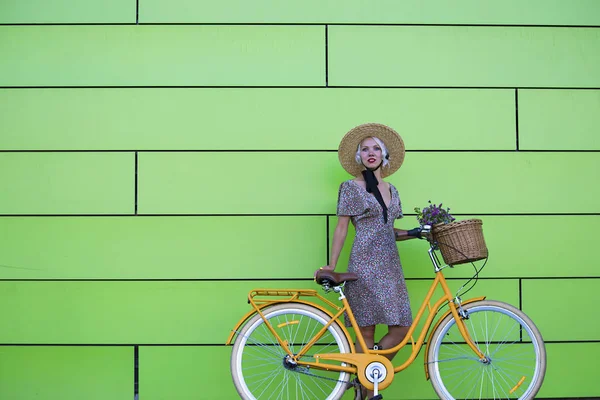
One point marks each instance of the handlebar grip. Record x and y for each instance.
(416, 232)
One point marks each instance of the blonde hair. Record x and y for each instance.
(384, 151)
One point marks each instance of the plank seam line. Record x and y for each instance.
(592, 341)
(302, 87)
(499, 25)
(281, 151)
(573, 214)
(538, 278)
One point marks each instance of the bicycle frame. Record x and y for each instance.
(357, 362)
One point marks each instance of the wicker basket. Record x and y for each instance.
(460, 242)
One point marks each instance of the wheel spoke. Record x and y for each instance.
(509, 339)
(261, 368)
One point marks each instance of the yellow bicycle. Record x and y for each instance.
(293, 345)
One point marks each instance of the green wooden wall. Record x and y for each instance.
(160, 159)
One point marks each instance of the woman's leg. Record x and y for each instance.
(368, 333)
(394, 336)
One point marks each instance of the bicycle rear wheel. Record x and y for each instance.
(259, 366)
(516, 356)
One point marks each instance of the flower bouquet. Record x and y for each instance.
(459, 242)
(433, 215)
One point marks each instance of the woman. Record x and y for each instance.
(371, 152)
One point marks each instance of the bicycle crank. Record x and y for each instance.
(375, 374)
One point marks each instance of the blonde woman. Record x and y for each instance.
(371, 152)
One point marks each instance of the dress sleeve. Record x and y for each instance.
(350, 203)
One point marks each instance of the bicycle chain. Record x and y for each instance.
(297, 369)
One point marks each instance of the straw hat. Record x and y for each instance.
(350, 142)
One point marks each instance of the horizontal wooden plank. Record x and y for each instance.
(571, 371)
(536, 12)
(573, 300)
(559, 119)
(153, 312)
(463, 56)
(32, 371)
(307, 182)
(174, 371)
(162, 55)
(66, 11)
(192, 247)
(170, 247)
(517, 245)
(570, 374)
(177, 372)
(66, 373)
(161, 248)
(275, 183)
(482, 183)
(141, 247)
(160, 119)
(67, 183)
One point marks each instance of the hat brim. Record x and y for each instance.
(392, 140)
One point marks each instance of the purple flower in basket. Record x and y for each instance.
(433, 214)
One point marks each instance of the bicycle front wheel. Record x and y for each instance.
(515, 355)
(261, 369)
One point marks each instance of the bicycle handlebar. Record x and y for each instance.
(426, 231)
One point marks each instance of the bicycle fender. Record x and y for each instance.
(436, 326)
(252, 312)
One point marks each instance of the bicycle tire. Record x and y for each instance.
(516, 352)
(258, 364)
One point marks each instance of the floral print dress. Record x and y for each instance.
(379, 296)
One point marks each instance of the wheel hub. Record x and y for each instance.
(486, 361)
(289, 363)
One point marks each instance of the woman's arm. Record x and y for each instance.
(401, 234)
(339, 237)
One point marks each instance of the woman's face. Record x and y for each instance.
(370, 153)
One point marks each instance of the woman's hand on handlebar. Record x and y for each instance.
(326, 267)
(421, 232)
(416, 232)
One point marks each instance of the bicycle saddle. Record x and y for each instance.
(334, 278)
